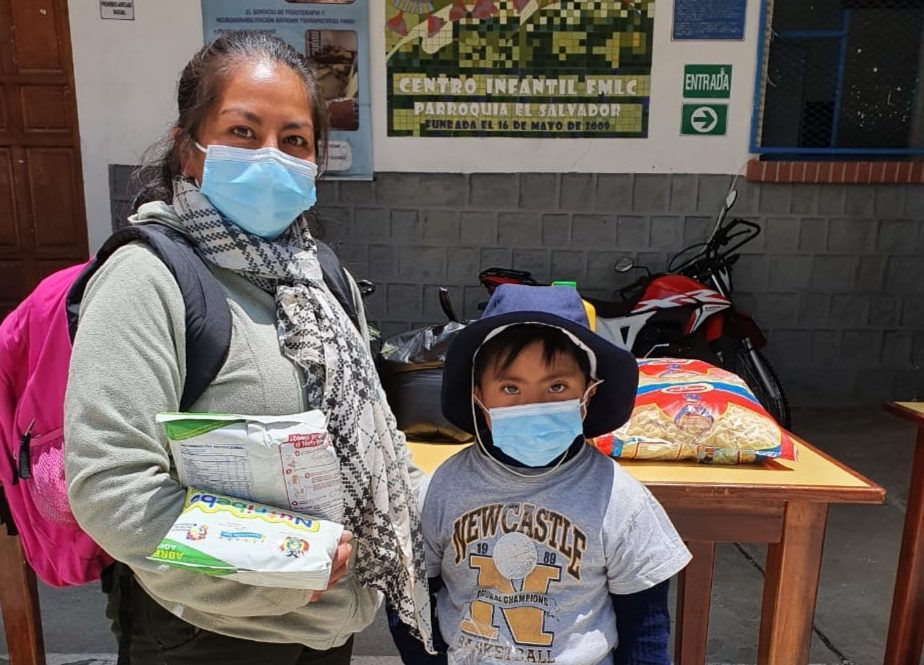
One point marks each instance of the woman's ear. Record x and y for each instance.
(191, 158)
(182, 151)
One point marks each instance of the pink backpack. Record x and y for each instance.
(35, 350)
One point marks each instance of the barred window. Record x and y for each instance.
(840, 77)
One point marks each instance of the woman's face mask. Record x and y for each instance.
(262, 191)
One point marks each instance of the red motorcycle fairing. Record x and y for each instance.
(714, 328)
(667, 291)
(745, 326)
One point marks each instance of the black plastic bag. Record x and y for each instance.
(411, 369)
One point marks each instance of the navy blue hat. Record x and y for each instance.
(558, 307)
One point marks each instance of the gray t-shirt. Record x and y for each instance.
(529, 563)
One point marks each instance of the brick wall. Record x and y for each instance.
(836, 279)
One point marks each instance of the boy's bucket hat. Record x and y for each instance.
(558, 307)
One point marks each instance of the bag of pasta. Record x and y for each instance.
(692, 411)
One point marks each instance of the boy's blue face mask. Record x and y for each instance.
(262, 191)
(537, 434)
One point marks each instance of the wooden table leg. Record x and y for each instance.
(906, 626)
(694, 599)
(19, 602)
(791, 586)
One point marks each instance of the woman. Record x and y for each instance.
(236, 175)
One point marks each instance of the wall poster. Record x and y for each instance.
(524, 68)
(334, 36)
(709, 19)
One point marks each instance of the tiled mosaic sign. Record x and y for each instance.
(526, 68)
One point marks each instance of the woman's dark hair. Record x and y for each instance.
(200, 87)
(502, 350)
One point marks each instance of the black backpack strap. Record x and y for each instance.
(337, 281)
(208, 318)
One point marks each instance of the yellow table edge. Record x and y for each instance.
(811, 469)
(916, 408)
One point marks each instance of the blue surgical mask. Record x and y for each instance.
(262, 191)
(537, 434)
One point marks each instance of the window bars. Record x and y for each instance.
(840, 77)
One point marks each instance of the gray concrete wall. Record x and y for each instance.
(836, 279)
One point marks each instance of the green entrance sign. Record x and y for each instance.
(704, 119)
(707, 81)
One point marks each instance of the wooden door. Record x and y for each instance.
(42, 217)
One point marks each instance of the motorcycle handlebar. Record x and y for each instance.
(718, 249)
(724, 237)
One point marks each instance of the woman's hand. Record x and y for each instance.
(341, 563)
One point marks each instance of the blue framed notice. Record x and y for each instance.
(334, 36)
(709, 19)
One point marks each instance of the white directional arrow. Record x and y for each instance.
(704, 119)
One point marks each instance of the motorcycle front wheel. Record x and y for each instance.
(755, 369)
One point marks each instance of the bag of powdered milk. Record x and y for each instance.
(250, 542)
(287, 461)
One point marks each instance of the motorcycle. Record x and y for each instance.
(687, 311)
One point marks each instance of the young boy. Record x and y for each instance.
(547, 551)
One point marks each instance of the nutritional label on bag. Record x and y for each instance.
(312, 476)
(218, 465)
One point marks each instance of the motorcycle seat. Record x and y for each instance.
(611, 309)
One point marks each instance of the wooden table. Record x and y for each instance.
(906, 625)
(783, 504)
(22, 620)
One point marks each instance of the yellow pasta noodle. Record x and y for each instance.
(691, 410)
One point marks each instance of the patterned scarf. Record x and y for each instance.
(380, 507)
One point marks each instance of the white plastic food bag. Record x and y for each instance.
(286, 461)
(250, 542)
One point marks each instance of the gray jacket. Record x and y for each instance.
(128, 365)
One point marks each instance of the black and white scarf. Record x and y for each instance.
(380, 507)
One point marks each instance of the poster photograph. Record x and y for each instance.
(522, 68)
(334, 37)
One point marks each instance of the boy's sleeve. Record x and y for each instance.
(430, 529)
(641, 545)
(643, 624)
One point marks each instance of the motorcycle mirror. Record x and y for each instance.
(625, 264)
(366, 288)
(731, 198)
(446, 305)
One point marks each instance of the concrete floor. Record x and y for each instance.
(858, 573)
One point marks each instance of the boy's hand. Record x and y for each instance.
(341, 563)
